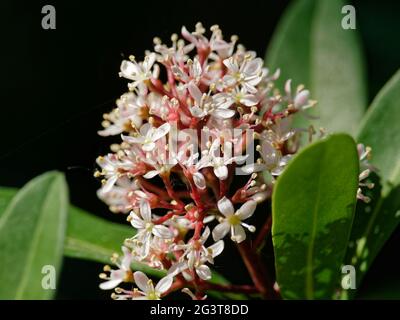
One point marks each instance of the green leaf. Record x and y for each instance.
(93, 238)
(380, 130)
(376, 221)
(311, 47)
(32, 229)
(6, 194)
(289, 49)
(313, 205)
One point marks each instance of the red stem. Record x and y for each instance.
(263, 233)
(257, 270)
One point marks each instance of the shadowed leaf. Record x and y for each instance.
(313, 206)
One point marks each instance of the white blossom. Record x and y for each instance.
(148, 136)
(148, 291)
(233, 220)
(122, 274)
(146, 228)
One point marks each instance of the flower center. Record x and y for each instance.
(152, 295)
(234, 220)
(218, 162)
(149, 226)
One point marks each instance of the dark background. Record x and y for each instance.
(56, 84)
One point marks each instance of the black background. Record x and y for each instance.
(56, 84)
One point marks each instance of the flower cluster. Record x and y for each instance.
(199, 113)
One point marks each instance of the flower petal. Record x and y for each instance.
(150, 174)
(247, 210)
(110, 183)
(136, 222)
(301, 98)
(128, 69)
(199, 180)
(141, 281)
(220, 231)
(164, 284)
(110, 284)
(221, 172)
(162, 232)
(225, 207)
(223, 113)
(238, 234)
(145, 210)
(216, 248)
(249, 100)
(204, 272)
(161, 131)
(149, 146)
(195, 92)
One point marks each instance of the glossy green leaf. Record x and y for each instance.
(376, 221)
(32, 229)
(313, 206)
(311, 47)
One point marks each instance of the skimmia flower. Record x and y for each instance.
(147, 289)
(146, 228)
(123, 274)
(148, 136)
(233, 220)
(196, 110)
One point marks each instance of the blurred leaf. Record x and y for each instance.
(289, 49)
(313, 206)
(92, 238)
(311, 47)
(32, 229)
(375, 222)
(380, 130)
(6, 194)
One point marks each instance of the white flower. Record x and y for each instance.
(138, 72)
(148, 136)
(301, 97)
(128, 112)
(147, 288)
(212, 159)
(204, 106)
(224, 100)
(272, 141)
(247, 72)
(195, 255)
(233, 221)
(112, 170)
(194, 74)
(119, 197)
(122, 274)
(146, 228)
(161, 163)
